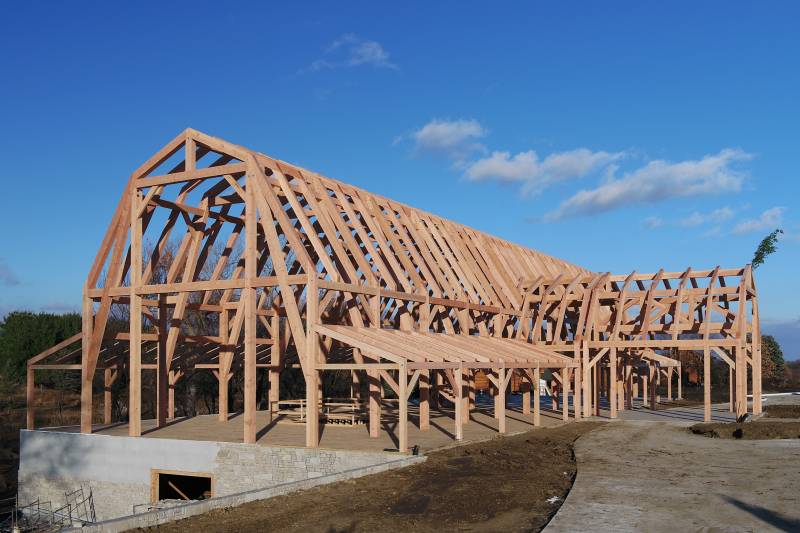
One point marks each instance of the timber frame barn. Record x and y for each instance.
(319, 275)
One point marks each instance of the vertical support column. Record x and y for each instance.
(470, 394)
(596, 388)
(458, 393)
(249, 296)
(586, 377)
(225, 361)
(756, 355)
(30, 388)
(653, 377)
(669, 383)
(424, 401)
(536, 398)
(163, 367)
(526, 394)
(500, 404)
(276, 360)
(741, 381)
(565, 377)
(107, 396)
(613, 380)
(402, 394)
(375, 388)
(312, 350)
(465, 412)
(645, 385)
(730, 389)
(135, 365)
(87, 325)
(707, 384)
(173, 378)
(680, 382)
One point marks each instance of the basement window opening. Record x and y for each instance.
(188, 487)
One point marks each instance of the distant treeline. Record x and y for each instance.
(24, 334)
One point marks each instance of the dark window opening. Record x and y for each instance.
(183, 487)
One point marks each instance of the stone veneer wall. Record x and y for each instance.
(118, 469)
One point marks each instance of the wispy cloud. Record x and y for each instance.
(716, 216)
(454, 139)
(653, 222)
(768, 220)
(8, 277)
(350, 50)
(535, 174)
(658, 181)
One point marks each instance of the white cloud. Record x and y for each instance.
(7, 276)
(456, 139)
(768, 220)
(534, 174)
(653, 222)
(350, 50)
(658, 181)
(714, 217)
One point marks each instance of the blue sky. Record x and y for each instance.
(619, 136)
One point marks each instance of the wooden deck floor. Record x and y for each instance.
(282, 433)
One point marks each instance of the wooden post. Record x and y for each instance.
(565, 377)
(645, 384)
(653, 374)
(470, 394)
(249, 296)
(669, 383)
(87, 375)
(402, 382)
(707, 384)
(312, 351)
(135, 366)
(30, 390)
(585, 376)
(500, 405)
(680, 382)
(536, 398)
(526, 395)
(741, 381)
(613, 372)
(730, 389)
(225, 361)
(107, 396)
(596, 387)
(424, 401)
(458, 374)
(163, 370)
(375, 387)
(276, 359)
(466, 411)
(171, 395)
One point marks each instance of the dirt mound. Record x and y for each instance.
(782, 411)
(758, 430)
(502, 484)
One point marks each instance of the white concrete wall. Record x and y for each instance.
(118, 469)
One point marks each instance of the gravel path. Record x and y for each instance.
(656, 476)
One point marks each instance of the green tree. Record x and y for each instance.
(773, 367)
(24, 334)
(767, 246)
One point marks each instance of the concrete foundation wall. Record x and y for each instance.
(118, 469)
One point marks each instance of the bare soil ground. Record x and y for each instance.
(501, 484)
(757, 430)
(782, 411)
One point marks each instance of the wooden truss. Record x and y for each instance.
(226, 259)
